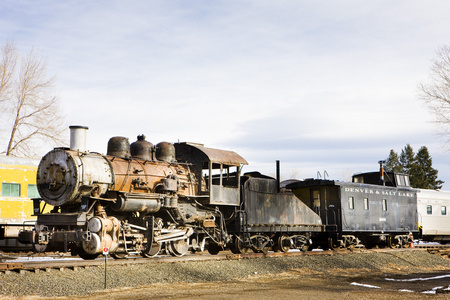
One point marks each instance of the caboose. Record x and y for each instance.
(372, 209)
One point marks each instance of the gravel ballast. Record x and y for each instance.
(85, 281)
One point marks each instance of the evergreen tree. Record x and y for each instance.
(423, 175)
(418, 166)
(393, 163)
(407, 159)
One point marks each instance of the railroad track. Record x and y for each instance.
(36, 264)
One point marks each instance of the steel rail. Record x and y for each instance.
(48, 264)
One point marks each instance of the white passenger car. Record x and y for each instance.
(433, 207)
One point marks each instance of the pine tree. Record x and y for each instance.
(423, 175)
(419, 167)
(407, 159)
(393, 163)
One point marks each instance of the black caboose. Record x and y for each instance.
(371, 209)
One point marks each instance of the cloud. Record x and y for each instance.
(329, 84)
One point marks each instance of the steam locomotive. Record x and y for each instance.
(173, 198)
(145, 199)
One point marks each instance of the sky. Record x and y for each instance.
(323, 86)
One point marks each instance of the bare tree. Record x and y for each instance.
(7, 67)
(31, 107)
(436, 92)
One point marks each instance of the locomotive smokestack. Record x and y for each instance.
(78, 137)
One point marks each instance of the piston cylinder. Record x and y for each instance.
(136, 202)
(103, 233)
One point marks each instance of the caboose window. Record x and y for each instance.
(366, 203)
(384, 205)
(351, 202)
(402, 180)
(443, 210)
(429, 209)
(10, 189)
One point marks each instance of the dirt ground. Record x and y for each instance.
(296, 284)
(363, 275)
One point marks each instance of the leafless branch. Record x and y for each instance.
(436, 92)
(27, 92)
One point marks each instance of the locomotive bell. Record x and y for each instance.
(141, 148)
(165, 152)
(119, 146)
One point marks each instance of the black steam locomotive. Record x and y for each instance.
(145, 199)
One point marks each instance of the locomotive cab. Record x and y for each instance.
(219, 169)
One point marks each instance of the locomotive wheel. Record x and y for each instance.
(38, 248)
(214, 249)
(178, 248)
(87, 256)
(153, 251)
(237, 247)
(77, 250)
(119, 255)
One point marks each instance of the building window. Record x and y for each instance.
(366, 203)
(351, 202)
(384, 205)
(32, 191)
(10, 189)
(429, 209)
(443, 210)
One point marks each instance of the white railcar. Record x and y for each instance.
(433, 207)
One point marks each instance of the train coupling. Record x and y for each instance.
(26, 237)
(33, 237)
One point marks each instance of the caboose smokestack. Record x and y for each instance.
(381, 162)
(78, 138)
